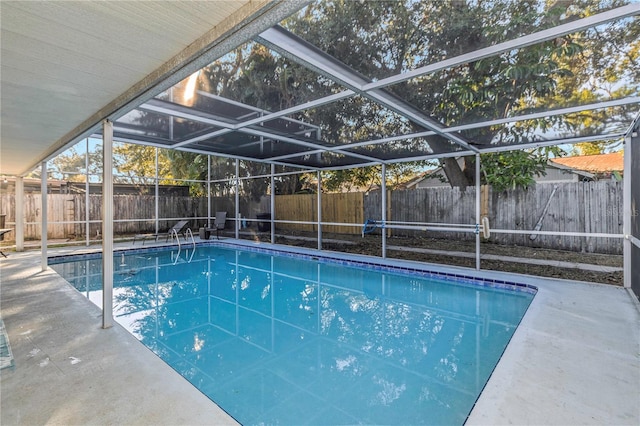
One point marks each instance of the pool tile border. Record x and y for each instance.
(392, 266)
(383, 265)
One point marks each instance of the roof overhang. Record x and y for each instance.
(36, 127)
(66, 66)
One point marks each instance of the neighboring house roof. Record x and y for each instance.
(597, 164)
(437, 177)
(413, 182)
(586, 176)
(434, 175)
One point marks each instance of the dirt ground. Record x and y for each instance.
(371, 245)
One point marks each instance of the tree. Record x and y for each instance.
(517, 168)
(136, 164)
(383, 38)
(594, 148)
(70, 165)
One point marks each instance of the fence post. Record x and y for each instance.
(484, 201)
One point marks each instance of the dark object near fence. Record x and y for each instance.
(205, 233)
(264, 223)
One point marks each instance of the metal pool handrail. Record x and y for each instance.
(193, 240)
(174, 232)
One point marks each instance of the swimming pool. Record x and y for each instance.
(275, 338)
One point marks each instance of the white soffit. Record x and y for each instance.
(63, 63)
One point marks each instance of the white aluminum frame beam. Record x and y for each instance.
(516, 43)
(107, 224)
(273, 115)
(261, 111)
(383, 194)
(87, 196)
(293, 47)
(505, 148)
(168, 108)
(272, 203)
(319, 202)
(361, 85)
(19, 213)
(45, 212)
(224, 154)
(480, 124)
(237, 200)
(478, 218)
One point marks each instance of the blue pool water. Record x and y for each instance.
(275, 339)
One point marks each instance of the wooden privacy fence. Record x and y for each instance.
(593, 207)
(66, 214)
(590, 207)
(336, 208)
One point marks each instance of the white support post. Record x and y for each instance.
(626, 209)
(157, 196)
(319, 210)
(237, 199)
(478, 219)
(383, 188)
(19, 213)
(208, 190)
(87, 198)
(43, 226)
(272, 203)
(107, 224)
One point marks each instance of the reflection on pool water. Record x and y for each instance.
(275, 339)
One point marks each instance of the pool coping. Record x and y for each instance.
(572, 360)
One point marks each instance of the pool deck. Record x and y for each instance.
(575, 359)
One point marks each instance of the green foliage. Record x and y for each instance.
(591, 148)
(136, 163)
(367, 178)
(513, 169)
(70, 165)
(383, 38)
(190, 166)
(379, 39)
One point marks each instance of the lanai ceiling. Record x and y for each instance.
(307, 103)
(65, 66)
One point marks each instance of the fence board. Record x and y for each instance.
(575, 207)
(301, 207)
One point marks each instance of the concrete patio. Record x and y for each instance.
(575, 359)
